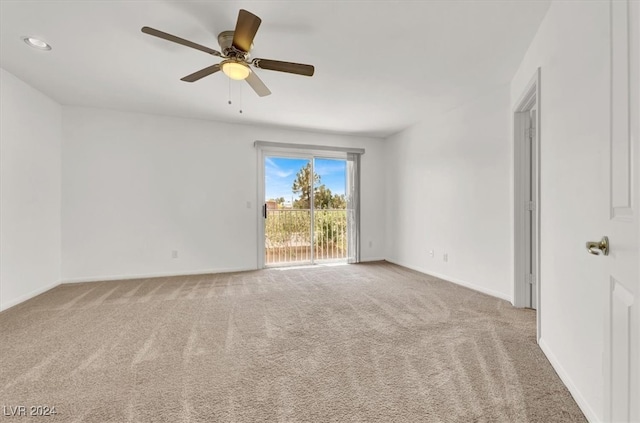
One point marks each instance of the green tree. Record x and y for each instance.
(302, 187)
(338, 201)
(323, 198)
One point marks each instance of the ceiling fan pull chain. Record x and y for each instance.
(229, 79)
(240, 99)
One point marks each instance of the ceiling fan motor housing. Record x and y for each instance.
(225, 38)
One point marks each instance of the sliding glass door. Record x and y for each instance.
(305, 212)
(330, 210)
(287, 214)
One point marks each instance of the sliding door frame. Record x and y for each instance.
(294, 153)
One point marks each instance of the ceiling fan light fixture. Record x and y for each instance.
(36, 43)
(235, 70)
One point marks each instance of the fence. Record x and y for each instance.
(288, 235)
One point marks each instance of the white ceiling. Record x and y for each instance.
(380, 65)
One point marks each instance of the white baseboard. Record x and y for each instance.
(28, 296)
(368, 259)
(155, 275)
(460, 282)
(575, 392)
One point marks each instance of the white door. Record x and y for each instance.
(530, 214)
(526, 196)
(622, 315)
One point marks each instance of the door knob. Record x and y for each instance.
(603, 246)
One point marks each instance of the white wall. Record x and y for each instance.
(137, 186)
(572, 49)
(30, 151)
(448, 190)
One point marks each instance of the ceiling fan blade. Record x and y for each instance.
(246, 28)
(201, 73)
(257, 85)
(173, 38)
(276, 65)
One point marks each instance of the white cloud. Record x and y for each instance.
(272, 169)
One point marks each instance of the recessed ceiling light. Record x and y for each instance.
(36, 43)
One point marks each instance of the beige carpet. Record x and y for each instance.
(361, 343)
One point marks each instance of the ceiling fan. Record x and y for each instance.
(236, 46)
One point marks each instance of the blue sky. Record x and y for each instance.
(280, 172)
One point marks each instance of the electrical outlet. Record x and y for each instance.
(445, 257)
(370, 244)
(432, 253)
(248, 204)
(174, 254)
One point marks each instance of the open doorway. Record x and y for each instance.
(305, 210)
(526, 123)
